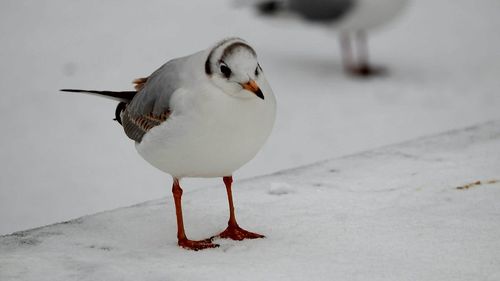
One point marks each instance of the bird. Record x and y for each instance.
(203, 115)
(351, 18)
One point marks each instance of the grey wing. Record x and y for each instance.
(322, 10)
(151, 105)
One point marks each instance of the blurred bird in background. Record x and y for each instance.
(353, 19)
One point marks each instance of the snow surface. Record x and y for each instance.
(403, 212)
(62, 157)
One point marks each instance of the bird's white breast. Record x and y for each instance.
(209, 134)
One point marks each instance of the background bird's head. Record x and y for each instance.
(270, 7)
(233, 67)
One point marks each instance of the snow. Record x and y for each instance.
(280, 188)
(394, 213)
(63, 157)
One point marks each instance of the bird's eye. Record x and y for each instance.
(225, 70)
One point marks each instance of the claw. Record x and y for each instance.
(197, 245)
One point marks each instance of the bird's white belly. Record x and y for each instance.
(211, 141)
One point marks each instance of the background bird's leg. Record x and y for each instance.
(364, 68)
(346, 52)
(233, 230)
(363, 56)
(181, 234)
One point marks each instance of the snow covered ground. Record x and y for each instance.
(63, 157)
(422, 210)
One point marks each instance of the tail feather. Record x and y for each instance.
(123, 96)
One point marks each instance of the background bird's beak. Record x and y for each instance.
(254, 88)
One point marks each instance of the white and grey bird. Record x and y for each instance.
(202, 115)
(351, 18)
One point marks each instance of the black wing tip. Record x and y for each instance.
(70, 90)
(123, 96)
(80, 91)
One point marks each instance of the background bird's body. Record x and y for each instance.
(321, 11)
(367, 15)
(352, 19)
(338, 15)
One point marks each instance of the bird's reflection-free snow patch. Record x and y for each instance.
(280, 188)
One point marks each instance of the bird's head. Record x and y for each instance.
(233, 67)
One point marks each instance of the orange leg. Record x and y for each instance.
(233, 230)
(181, 234)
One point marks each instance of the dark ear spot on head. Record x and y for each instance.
(258, 69)
(208, 68)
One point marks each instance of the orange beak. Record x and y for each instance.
(254, 88)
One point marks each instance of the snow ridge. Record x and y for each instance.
(394, 213)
